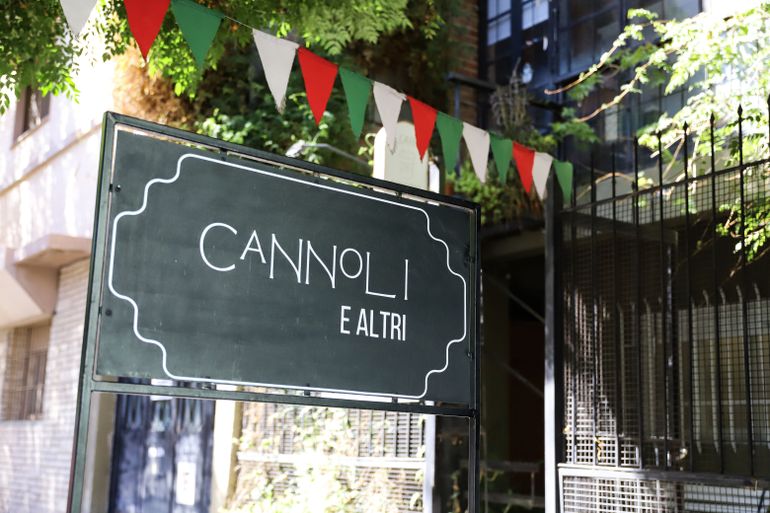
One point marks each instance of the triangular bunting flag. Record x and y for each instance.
(564, 175)
(199, 25)
(525, 158)
(451, 131)
(388, 102)
(319, 75)
(540, 169)
(77, 13)
(357, 90)
(477, 141)
(145, 18)
(424, 117)
(502, 151)
(277, 56)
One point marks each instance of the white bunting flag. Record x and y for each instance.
(540, 169)
(389, 103)
(77, 13)
(277, 57)
(477, 141)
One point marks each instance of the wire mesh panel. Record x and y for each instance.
(666, 332)
(366, 460)
(582, 494)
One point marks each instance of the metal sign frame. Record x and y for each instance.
(89, 383)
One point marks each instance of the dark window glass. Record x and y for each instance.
(581, 45)
(607, 27)
(678, 9)
(669, 9)
(573, 10)
(31, 111)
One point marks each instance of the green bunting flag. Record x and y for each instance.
(564, 175)
(502, 150)
(357, 90)
(450, 130)
(199, 25)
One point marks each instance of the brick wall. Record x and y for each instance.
(35, 455)
(465, 34)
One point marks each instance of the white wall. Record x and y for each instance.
(48, 177)
(47, 186)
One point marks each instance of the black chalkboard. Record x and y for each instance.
(220, 268)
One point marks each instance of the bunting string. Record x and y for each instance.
(200, 24)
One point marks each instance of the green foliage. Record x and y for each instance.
(500, 202)
(720, 64)
(234, 104)
(37, 49)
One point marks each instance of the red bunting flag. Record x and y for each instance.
(145, 18)
(525, 159)
(319, 75)
(424, 117)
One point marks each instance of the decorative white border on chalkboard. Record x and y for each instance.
(304, 182)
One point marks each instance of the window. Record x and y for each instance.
(24, 381)
(533, 12)
(498, 20)
(587, 28)
(31, 111)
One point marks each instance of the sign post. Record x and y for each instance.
(215, 264)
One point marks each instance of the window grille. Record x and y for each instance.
(25, 367)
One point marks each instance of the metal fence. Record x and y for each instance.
(666, 328)
(366, 460)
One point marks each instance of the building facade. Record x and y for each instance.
(48, 166)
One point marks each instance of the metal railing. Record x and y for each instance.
(665, 320)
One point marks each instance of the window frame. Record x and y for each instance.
(24, 377)
(24, 125)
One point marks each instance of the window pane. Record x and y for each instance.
(497, 7)
(655, 6)
(572, 10)
(581, 39)
(601, 4)
(499, 29)
(607, 29)
(533, 12)
(679, 9)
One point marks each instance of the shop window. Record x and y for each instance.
(31, 111)
(24, 379)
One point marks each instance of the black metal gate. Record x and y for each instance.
(162, 455)
(664, 331)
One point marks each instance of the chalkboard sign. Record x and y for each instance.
(224, 268)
